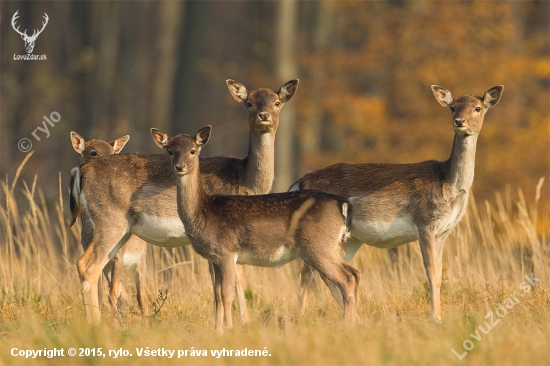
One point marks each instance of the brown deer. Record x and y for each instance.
(134, 253)
(139, 191)
(399, 203)
(264, 230)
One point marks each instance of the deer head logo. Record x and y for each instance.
(29, 41)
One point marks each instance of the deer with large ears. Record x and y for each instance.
(399, 203)
(134, 253)
(95, 148)
(262, 230)
(139, 191)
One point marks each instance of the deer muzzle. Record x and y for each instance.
(459, 122)
(264, 116)
(180, 169)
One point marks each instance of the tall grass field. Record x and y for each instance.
(495, 298)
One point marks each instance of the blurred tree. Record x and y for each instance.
(286, 69)
(170, 21)
(376, 87)
(365, 72)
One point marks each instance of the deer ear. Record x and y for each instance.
(287, 90)
(119, 143)
(77, 142)
(492, 96)
(160, 138)
(203, 135)
(237, 90)
(442, 95)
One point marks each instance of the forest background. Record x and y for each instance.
(365, 70)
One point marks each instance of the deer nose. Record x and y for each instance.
(459, 122)
(179, 167)
(263, 116)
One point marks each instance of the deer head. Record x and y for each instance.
(263, 105)
(29, 41)
(468, 110)
(184, 150)
(95, 148)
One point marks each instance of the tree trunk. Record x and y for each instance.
(170, 19)
(286, 69)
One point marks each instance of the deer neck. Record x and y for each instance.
(260, 163)
(191, 199)
(462, 163)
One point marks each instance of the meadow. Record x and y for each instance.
(486, 259)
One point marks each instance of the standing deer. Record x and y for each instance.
(399, 203)
(29, 41)
(139, 191)
(265, 230)
(134, 253)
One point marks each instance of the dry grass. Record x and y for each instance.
(486, 259)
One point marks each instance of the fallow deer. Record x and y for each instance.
(139, 191)
(134, 253)
(264, 230)
(399, 203)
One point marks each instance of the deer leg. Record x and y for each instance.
(89, 273)
(140, 271)
(306, 276)
(439, 245)
(357, 276)
(115, 291)
(212, 272)
(228, 288)
(90, 265)
(100, 292)
(426, 239)
(327, 261)
(351, 247)
(218, 311)
(86, 237)
(345, 278)
(334, 290)
(239, 290)
(394, 259)
(108, 273)
(337, 294)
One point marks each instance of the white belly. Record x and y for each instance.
(385, 234)
(164, 232)
(281, 256)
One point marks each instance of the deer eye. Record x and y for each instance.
(94, 153)
(277, 103)
(170, 152)
(452, 109)
(193, 152)
(249, 105)
(478, 109)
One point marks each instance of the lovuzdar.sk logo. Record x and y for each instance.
(29, 40)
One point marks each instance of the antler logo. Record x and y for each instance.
(29, 41)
